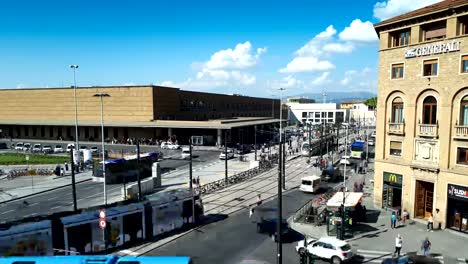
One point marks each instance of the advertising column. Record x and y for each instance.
(457, 207)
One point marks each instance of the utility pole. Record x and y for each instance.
(280, 195)
(191, 180)
(284, 166)
(255, 143)
(75, 206)
(140, 197)
(225, 157)
(310, 141)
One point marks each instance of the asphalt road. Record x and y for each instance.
(235, 239)
(88, 193)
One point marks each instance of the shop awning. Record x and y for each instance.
(351, 199)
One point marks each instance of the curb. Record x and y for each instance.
(41, 192)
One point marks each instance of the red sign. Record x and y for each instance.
(102, 223)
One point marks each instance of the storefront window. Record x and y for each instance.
(457, 207)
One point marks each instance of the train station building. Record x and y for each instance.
(150, 112)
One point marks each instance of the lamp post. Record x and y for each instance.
(74, 67)
(102, 95)
(280, 200)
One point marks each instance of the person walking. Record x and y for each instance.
(430, 223)
(259, 200)
(393, 220)
(398, 245)
(426, 247)
(251, 211)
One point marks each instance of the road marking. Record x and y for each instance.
(7, 212)
(373, 256)
(33, 204)
(129, 252)
(34, 214)
(55, 207)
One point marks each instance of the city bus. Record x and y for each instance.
(125, 169)
(357, 149)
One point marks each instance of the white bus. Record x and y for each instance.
(311, 184)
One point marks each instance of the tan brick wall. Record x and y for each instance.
(448, 88)
(125, 104)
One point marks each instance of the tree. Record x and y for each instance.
(371, 103)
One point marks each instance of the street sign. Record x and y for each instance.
(27, 157)
(102, 213)
(102, 224)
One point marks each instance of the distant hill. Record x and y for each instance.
(338, 97)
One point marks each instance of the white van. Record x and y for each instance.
(185, 152)
(311, 184)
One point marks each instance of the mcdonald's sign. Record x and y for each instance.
(393, 177)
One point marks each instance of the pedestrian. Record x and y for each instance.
(398, 245)
(393, 220)
(404, 216)
(251, 211)
(66, 166)
(430, 223)
(259, 200)
(426, 247)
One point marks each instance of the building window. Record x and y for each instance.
(462, 156)
(397, 110)
(42, 131)
(304, 114)
(430, 67)
(324, 114)
(430, 110)
(400, 38)
(464, 111)
(51, 132)
(436, 30)
(395, 148)
(317, 114)
(463, 25)
(464, 64)
(397, 71)
(330, 114)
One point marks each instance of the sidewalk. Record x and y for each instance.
(376, 234)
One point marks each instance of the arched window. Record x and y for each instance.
(464, 111)
(430, 110)
(397, 110)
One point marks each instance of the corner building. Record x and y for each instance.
(421, 162)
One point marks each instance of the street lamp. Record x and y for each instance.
(280, 202)
(74, 67)
(102, 95)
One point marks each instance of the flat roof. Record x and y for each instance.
(210, 124)
(351, 199)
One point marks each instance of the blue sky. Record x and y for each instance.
(247, 47)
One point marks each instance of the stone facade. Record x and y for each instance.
(428, 153)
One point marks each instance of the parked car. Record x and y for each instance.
(70, 146)
(329, 248)
(229, 154)
(47, 149)
(3, 146)
(243, 149)
(82, 148)
(37, 148)
(58, 149)
(19, 146)
(185, 152)
(27, 146)
(370, 142)
(94, 150)
(169, 145)
(269, 226)
(345, 160)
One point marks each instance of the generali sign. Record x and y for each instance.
(459, 192)
(432, 49)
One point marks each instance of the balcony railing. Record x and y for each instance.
(396, 128)
(428, 130)
(461, 132)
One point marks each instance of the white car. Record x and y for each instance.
(371, 142)
(94, 149)
(19, 146)
(328, 248)
(169, 145)
(185, 152)
(82, 148)
(47, 149)
(70, 146)
(26, 146)
(37, 148)
(230, 154)
(58, 149)
(345, 160)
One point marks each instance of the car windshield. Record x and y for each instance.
(346, 247)
(47, 146)
(306, 183)
(58, 146)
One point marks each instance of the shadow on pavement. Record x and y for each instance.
(372, 216)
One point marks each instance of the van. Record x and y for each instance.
(311, 184)
(185, 152)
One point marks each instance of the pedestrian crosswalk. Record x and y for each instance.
(375, 256)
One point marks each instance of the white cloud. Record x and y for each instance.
(322, 79)
(314, 46)
(391, 8)
(307, 64)
(359, 31)
(365, 78)
(287, 82)
(338, 47)
(241, 57)
(225, 68)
